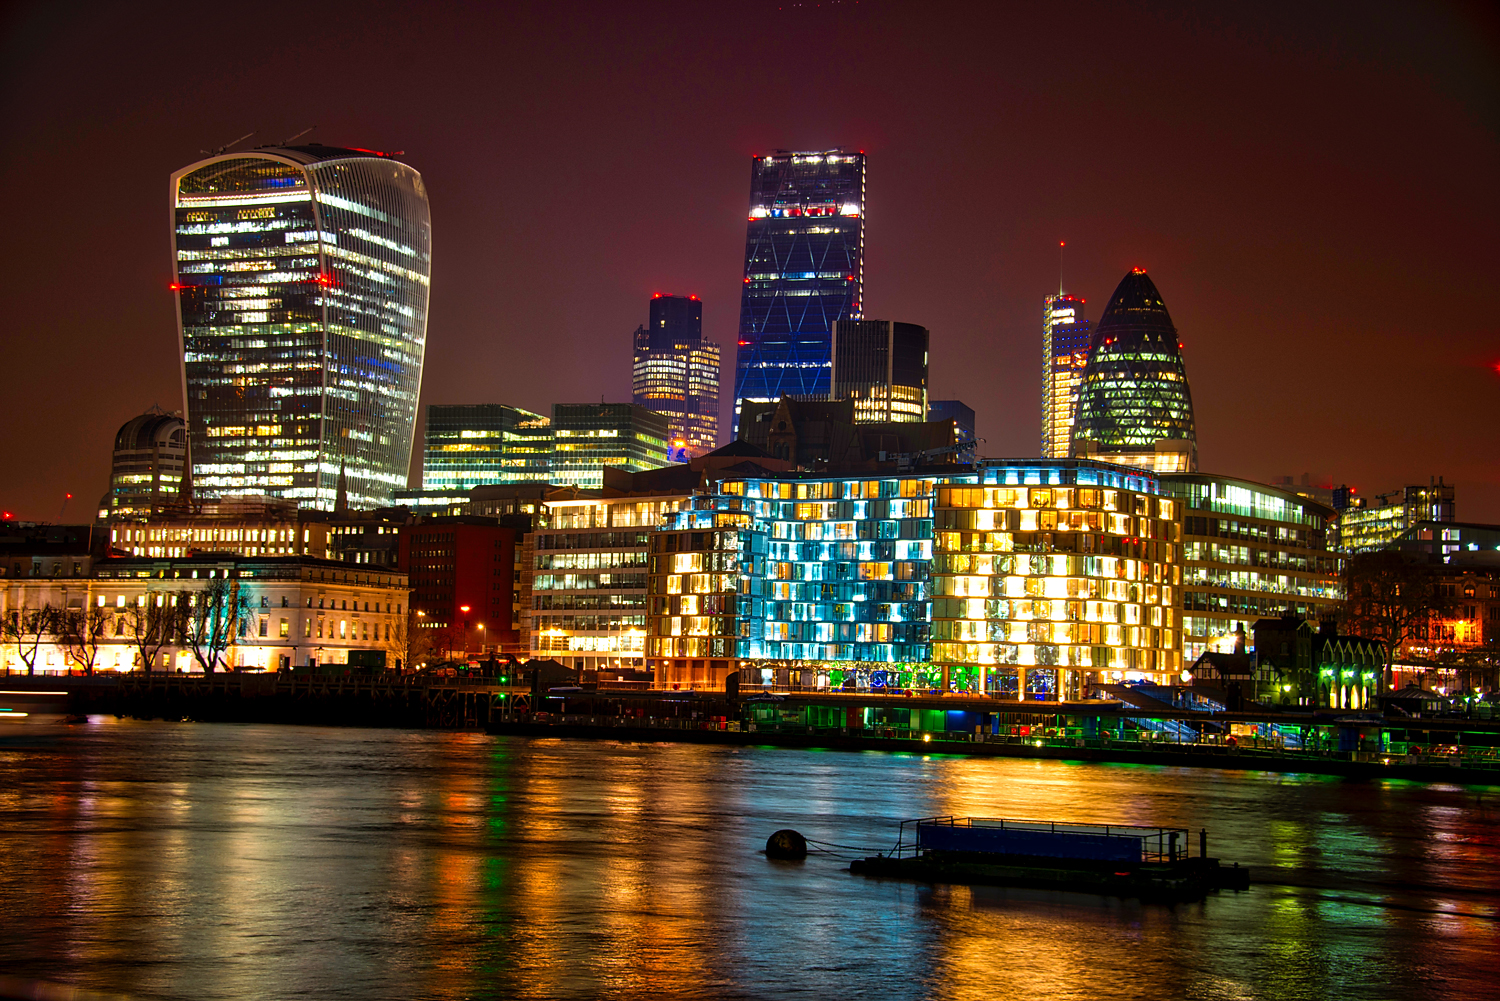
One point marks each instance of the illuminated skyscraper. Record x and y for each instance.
(1134, 406)
(676, 374)
(804, 271)
(302, 278)
(1065, 351)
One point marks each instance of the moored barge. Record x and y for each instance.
(1153, 863)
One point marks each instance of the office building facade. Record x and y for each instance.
(804, 271)
(1029, 579)
(463, 581)
(1249, 551)
(676, 373)
(146, 472)
(302, 277)
(1134, 407)
(1367, 525)
(1065, 353)
(469, 445)
(587, 437)
(588, 581)
(882, 366)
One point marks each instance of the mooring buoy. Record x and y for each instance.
(786, 844)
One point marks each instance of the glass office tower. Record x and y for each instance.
(470, 445)
(804, 271)
(882, 366)
(676, 374)
(1134, 406)
(302, 281)
(590, 437)
(1065, 352)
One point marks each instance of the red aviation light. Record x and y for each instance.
(175, 287)
(656, 295)
(693, 297)
(325, 280)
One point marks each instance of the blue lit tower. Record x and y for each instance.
(1134, 406)
(302, 279)
(804, 271)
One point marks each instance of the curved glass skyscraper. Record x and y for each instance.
(804, 271)
(1134, 406)
(302, 279)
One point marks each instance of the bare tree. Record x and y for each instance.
(153, 626)
(1391, 597)
(409, 643)
(212, 619)
(26, 628)
(81, 631)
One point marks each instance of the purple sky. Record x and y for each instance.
(1315, 188)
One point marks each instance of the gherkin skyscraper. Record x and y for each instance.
(1134, 405)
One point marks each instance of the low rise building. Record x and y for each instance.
(463, 577)
(1305, 663)
(589, 575)
(271, 613)
(1249, 550)
(243, 525)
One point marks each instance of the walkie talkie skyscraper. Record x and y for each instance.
(301, 275)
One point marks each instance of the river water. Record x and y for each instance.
(200, 861)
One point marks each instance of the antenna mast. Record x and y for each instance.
(1060, 245)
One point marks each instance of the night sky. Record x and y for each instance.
(1315, 188)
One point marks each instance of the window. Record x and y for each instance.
(343, 629)
(284, 631)
(265, 602)
(307, 628)
(263, 625)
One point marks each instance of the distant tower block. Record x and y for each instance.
(676, 374)
(1065, 352)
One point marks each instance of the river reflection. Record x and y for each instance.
(220, 861)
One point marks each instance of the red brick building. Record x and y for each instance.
(455, 562)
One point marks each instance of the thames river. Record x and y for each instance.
(201, 861)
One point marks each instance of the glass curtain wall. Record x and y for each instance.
(302, 276)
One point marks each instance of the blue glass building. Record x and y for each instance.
(1031, 579)
(302, 279)
(804, 271)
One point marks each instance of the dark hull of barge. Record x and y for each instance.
(1183, 880)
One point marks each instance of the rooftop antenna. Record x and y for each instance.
(299, 135)
(1060, 245)
(225, 148)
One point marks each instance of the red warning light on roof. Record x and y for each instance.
(656, 295)
(693, 297)
(174, 287)
(325, 280)
(1137, 271)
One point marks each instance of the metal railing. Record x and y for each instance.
(1157, 844)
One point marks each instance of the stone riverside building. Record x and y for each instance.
(296, 611)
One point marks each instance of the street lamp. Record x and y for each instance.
(465, 610)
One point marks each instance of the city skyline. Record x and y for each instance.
(1215, 231)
